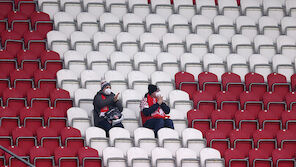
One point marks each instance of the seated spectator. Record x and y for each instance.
(104, 101)
(154, 110)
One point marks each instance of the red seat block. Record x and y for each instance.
(204, 101)
(60, 98)
(11, 161)
(222, 121)
(35, 42)
(264, 140)
(31, 118)
(65, 156)
(71, 137)
(199, 120)
(259, 157)
(51, 61)
(246, 121)
(40, 156)
(232, 82)
(250, 101)
(241, 141)
(45, 80)
(289, 120)
(286, 140)
(235, 158)
(55, 118)
(24, 138)
(38, 99)
(12, 41)
(278, 83)
(218, 140)
(255, 83)
(9, 118)
(270, 121)
(228, 101)
(282, 158)
(89, 157)
(208, 82)
(48, 138)
(186, 82)
(41, 23)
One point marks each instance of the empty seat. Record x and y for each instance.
(286, 46)
(207, 8)
(87, 22)
(269, 27)
(283, 65)
(133, 24)
(57, 41)
(168, 63)
(179, 119)
(238, 65)
(234, 157)
(241, 141)
(98, 62)
(156, 25)
(290, 7)
(90, 80)
(180, 100)
(89, 157)
(131, 99)
(117, 8)
(120, 138)
(161, 156)
(185, 156)
(110, 23)
(208, 82)
(200, 120)
(71, 138)
(278, 84)
(179, 25)
(127, 43)
(288, 24)
(247, 27)
(65, 156)
(138, 156)
(48, 138)
(274, 102)
(103, 42)
(162, 8)
(185, 81)
(68, 80)
(196, 44)
(259, 157)
(114, 156)
(94, 7)
(139, 7)
(251, 8)
(173, 44)
(145, 63)
(229, 8)
(224, 26)
(96, 138)
(145, 138)
(74, 61)
(209, 157)
(41, 156)
(23, 138)
(282, 157)
(65, 23)
(71, 7)
(260, 64)
(246, 121)
(81, 42)
(150, 44)
(214, 64)
(138, 81)
(185, 8)
(219, 46)
(193, 139)
(121, 62)
(286, 140)
(201, 25)
(242, 46)
(78, 118)
(274, 9)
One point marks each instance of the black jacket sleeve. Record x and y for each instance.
(150, 110)
(118, 104)
(166, 109)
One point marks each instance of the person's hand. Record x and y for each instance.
(116, 97)
(159, 100)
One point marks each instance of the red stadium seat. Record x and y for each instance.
(274, 102)
(14, 99)
(19, 22)
(7, 63)
(9, 118)
(4, 83)
(65, 156)
(28, 61)
(31, 118)
(26, 6)
(246, 121)
(5, 139)
(228, 102)
(11, 161)
(217, 140)
(3, 24)
(291, 100)
(259, 157)
(235, 158)
(199, 120)
(241, 141)
(40, 156)
(209, 82)
(289, 120)
(12, 41)
(41, 23)
(186, 82)
(278, 83)
(48, 138)
(71, 137)
(51, 61)
(286, 140)
(21, 80)
(270, 121)
(222, 121)
(264, 140)
(45, 80)
(293, 82)
(89, 157)
(60, 98)
(204, 101)
(255, 83)
(251, 101)
(6, 7)
(283, 158)
(24, 138)
(55, 118)
(38, 99)
(231, 82)
(35, 42)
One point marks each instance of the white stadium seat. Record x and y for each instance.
(74, 60)
(251, 8)
(84, 99)
(191, 63)
(260, 65)
(127, 43)
(207, 8)
(269, 27)
(121, 62)
(210, 157)
(81, 42)
(214, 64)
(156, 25)
(179, 25)
(186, 158)
(145, 63)
(150, 44)
(168, 63)
(246, 26)
(145, 139)
(237, 64)
(68, 80)
(163, 81)
(229, 8)
(202, 26)
(138, 157)
(110, 23)
(290, 8)
(72, 7)
(90, 80)
(120, 138)
(185, 8)
(288, 25)
(87, 23)
(117, 81)
(133, 24)
(51, 7)
(193, 139)
(224, 26)
(219, 45)
(196, 44)
(64, 22)
(96, 138)
(286, 46)
(94, 7)
(179, 119)
(180, 100)
(173, 44)
(131, 99)
(264, 46)
(242, 46)
(273, 8)
(117, 8)
(104, 43)
(98, 62)
(139, 7)
(78, 118)
(162, 157)
(57, 41)
(162, 8)
(283, 65)
(114, 157)
(138, 81)
(169, 139)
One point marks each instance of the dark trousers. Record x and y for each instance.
(104, 124)
(158, 123)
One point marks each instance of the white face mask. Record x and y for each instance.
(157, 94)
(107, 91)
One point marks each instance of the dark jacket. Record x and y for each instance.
(99, 103)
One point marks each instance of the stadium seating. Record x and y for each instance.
(225, 67)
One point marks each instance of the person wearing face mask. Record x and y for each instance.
(154, 111)
(104, 101)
